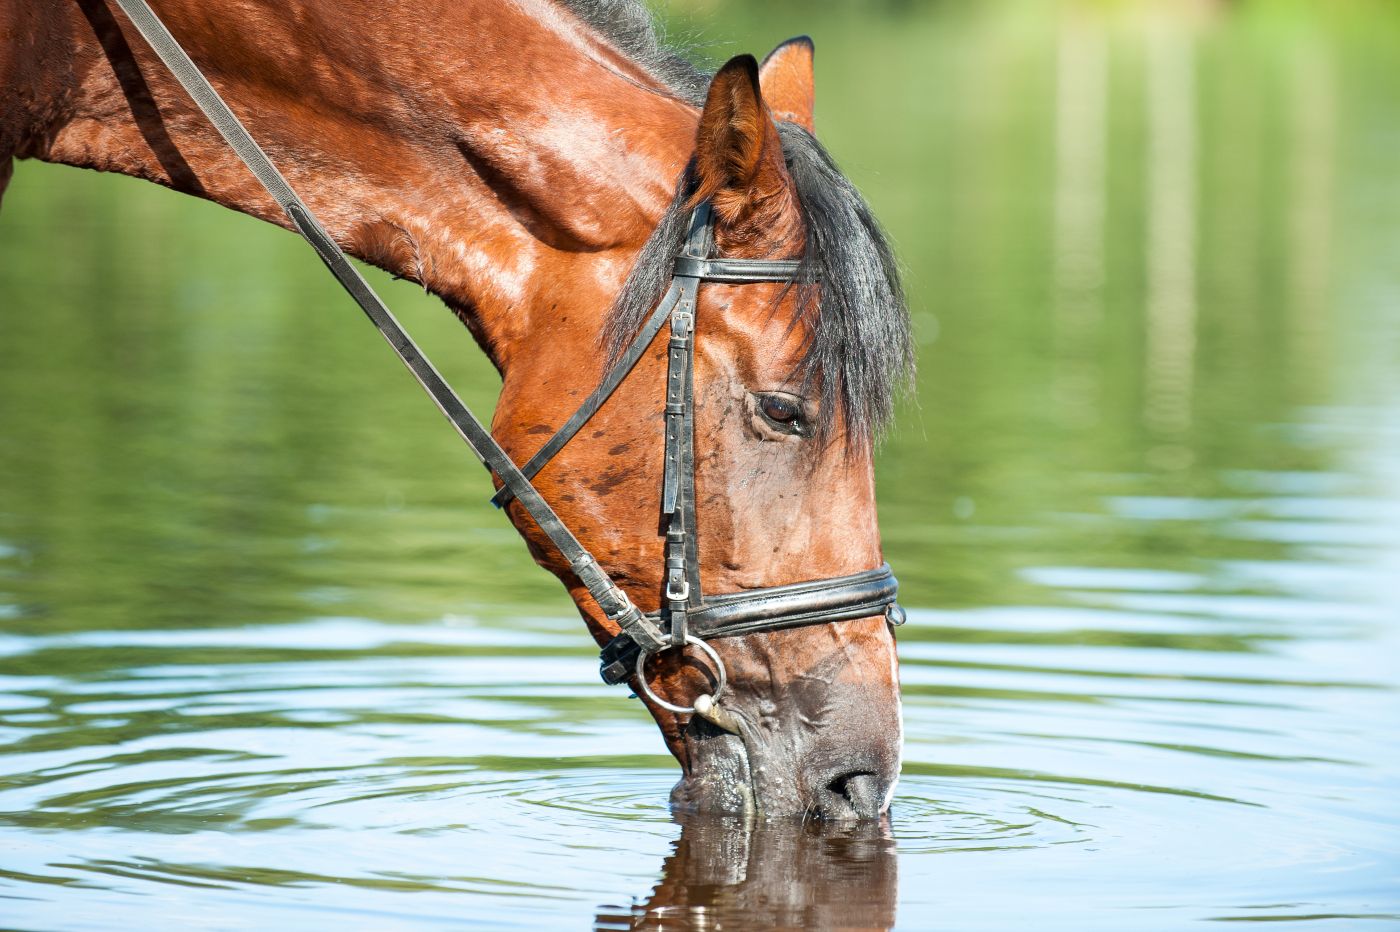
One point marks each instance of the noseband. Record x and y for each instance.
(686, 617)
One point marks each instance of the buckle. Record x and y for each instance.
(677, 587)
(621, 604)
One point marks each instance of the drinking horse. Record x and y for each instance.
(697, 322)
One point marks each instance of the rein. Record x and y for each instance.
(686, 617)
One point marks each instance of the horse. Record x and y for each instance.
(535, 164)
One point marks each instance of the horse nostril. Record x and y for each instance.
(856, 793)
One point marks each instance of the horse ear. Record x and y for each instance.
(788, 83)
(738, 156)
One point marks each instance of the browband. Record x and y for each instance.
(737, 271)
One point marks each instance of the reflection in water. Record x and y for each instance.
(777, 875)
(1081, 193)
(1311, 143)
(1171, 235)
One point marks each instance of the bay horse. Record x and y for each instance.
(533, 163)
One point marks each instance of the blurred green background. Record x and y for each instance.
(1126, 229)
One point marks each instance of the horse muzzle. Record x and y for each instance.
(820, 739)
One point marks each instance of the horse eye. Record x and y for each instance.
(782, 413)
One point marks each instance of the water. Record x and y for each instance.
(268, 661)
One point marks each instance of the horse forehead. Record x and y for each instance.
(762, 321)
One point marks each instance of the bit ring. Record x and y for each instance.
(670, 706)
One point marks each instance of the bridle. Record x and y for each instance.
(686, 617)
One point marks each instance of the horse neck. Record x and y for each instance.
(502, 155)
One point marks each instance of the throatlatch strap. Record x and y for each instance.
(601, 394)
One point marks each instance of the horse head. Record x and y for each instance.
(791, 382)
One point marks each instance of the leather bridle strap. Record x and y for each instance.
(612, 600)
(737, 271)
(600, 395)
(682, 581)
(688, 616)
(844, 598)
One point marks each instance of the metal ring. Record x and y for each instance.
(671, 707)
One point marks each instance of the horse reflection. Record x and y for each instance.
(777, 875)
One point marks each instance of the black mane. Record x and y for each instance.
(629, 26)
(860, 352)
